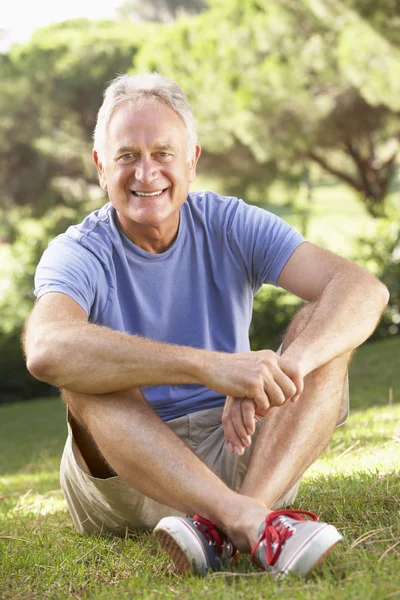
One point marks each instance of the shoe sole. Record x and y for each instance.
(175, 538)
(313, 551)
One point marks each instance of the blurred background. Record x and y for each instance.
(297, 104)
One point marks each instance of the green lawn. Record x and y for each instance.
(355, 484)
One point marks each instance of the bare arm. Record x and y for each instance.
(348, 300)
(65, 350)
(347, 303)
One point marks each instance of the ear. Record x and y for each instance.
(100, 170)
(193, 163)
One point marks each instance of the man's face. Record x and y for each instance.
(146, 173)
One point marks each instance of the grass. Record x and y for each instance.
(355, 484)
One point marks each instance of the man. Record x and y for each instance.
(142, 321)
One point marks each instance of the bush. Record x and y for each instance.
(29, 238)
(380, 254)
(273, 310)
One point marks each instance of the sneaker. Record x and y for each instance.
(288, 543)
(194, 545)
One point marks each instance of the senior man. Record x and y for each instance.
(142, 320)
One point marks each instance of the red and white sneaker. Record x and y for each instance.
(194, 545)
(289, 543)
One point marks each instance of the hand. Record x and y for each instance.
(292, 370)
(239, 422)
(263, 377)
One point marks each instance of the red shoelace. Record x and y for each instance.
(277, 533)
(212, 533)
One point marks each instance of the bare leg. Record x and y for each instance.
(292, 436)
(119, 427)
(149, 456)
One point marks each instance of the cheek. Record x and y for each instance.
(182, 177)
(117, 179)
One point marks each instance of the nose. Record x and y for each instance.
(146, 170)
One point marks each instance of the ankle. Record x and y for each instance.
(241, 522)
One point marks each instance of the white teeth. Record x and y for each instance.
(149, 194)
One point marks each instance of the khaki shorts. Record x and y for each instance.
(111, 506)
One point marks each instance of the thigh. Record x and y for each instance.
(206, 438)
(87, 452)
(104, 505)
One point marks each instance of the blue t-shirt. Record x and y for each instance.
(198, 293)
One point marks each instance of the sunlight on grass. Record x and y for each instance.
(338, 217)
(41, 504)
(369, 442)
(30, 493)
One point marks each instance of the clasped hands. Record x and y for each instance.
(261, 380)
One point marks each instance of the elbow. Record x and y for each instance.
(37, 366)
(40, 361)
(384, 296)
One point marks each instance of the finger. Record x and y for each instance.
(298, 380)
(236, 415)
(262, 403)
(231, 436)
(248, 415)
(295, 376)
(286, 384)
(275, 394)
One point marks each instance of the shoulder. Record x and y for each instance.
(213, 209)
(98, 227)
(95, 235)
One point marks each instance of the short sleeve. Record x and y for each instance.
(264, 241)
(67, 267)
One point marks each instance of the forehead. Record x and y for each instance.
(138, 124)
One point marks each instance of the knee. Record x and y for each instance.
(84, 406)
(76, 404)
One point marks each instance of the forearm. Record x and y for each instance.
(90, 359)
(342, 318)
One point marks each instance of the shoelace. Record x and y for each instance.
(278, 533)
(212, 534)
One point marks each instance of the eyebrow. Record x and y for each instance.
(158, 145)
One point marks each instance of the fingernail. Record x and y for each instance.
(238, 451)
(249, 431)
(230, 447)
(245, 443)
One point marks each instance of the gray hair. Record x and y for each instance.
(139, 88)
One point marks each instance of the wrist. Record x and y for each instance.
(195, 365)
(301, 358)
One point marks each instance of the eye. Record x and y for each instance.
(126, 158)
(164, 155)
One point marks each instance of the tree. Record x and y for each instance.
(382, 16)
(286, 84)
(159, 10)
(50, 94)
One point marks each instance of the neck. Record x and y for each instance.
(154, 239)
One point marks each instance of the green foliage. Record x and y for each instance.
(30, 238)
(158, 10)
(272, 312)
(382, 16)
(381, 255)
(283, 86)
(52, 89)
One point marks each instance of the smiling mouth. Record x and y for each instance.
(148, 194)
